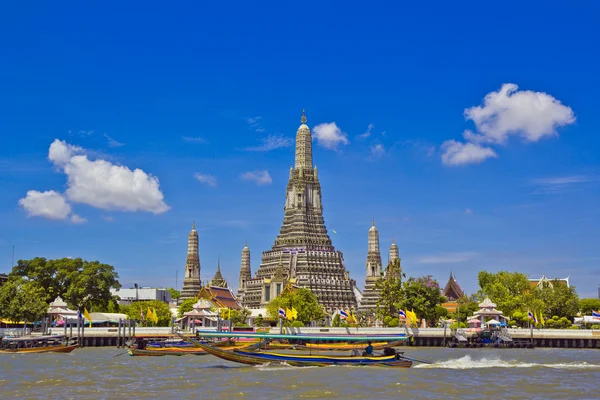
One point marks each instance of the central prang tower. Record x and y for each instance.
(303, 250)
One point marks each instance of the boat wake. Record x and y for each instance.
(467, 362)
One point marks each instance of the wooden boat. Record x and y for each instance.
(304, 337)
(251, 357)
(344, 346)
(36, 344)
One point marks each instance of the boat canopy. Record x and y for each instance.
(257, 335)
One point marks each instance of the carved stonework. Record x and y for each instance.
(370, 295)
(218, 280)
(303, 248)
(191, 281)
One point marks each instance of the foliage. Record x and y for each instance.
(297, 324)
(422, 295)
(239, 317)
(162, 311)
(186, 306)
(80, 283)
(586, 306)
(512, 292)
(557, 323)
(175, 294)
(458, 325)
(259, 321)
(302, 299)
(391, 293)
(391, 322)
(595, 326)
(22, 300)
(440, 312)
(466, 308)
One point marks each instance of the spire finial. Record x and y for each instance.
(303, 119)
(219, 263)
(194, 225)
(393, 240)
(373, 223)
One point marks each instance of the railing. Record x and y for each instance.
(14, 332)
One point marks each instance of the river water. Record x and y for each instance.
(101, 373)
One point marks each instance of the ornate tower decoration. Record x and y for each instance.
(371, 294)
(191, 280)
(245, 271)
(307, 253)
(218, 280)
(393, 269)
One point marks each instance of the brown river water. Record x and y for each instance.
(102, 373)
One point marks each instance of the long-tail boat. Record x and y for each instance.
(37, 344)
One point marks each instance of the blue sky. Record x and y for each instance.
(199, 95)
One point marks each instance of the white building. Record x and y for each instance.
(128, 296)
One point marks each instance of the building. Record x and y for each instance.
(370, 295)
(128, 296)
(191, 280)
(543, 280)
(218, 280)
(3, 279)
(303, 253)
(452, 291)
(221, 297)
(245, 272)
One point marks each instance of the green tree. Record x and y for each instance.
(163, 312)
(466, 308)
(186, 306)
(302, 299)
(391, 292)
(175, 294)
(239, 317)
(556, 298)
(80, 283)
(506, 289)
(422, 295)
(259, 321)
(586, 306)
(21, 299)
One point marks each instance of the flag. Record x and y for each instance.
(87, 316)
(595, 314)
(154, 316)
(288, 314)
(142, 319)
(412, 317)
(149, 315)
(294, 313)
(530, 315)
(282, 313)
(535, 318)
(542, 319)
(343, 314)
(79, 317)
(401, 314)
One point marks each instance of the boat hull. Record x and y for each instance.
(166, 352)
(49, 349)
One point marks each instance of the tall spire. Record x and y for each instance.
(303, 146)
(191, 281)
(374, 255)
(218, 280)
(245, 271)
(394, 253)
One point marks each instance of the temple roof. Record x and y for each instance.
(487, 303)
(222, 297)
(218, 280)
(452, 290)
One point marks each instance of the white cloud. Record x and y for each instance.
(194, 139)
(207, 179)
(76, 219)
(272, 142)
(509, 111)
(60, 152)
(562, 184)
(531, 115)
(468, 211)
(102, 184)
(329, 135)
(377, 151)
(254, 123)
(259, 177)
(49, 204)
(368, 132)
(458, 153)
(112, 142)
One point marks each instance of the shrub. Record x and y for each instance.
(297, 324)
(596, 326)
(573, 327)
(458, 325)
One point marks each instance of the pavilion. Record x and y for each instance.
(487, 310)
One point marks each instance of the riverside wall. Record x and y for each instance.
(433, 337)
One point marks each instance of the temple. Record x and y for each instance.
(370, 295)
(218, 280)
(245, 271)
(394, 269)
(191, 281)
(540, 282)
(452, 291)
(303, 254)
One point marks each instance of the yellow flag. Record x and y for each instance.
(87, 316)
(149, 316)
(542, 319)
(410, 315)
(294, 313)
(154, 316)
(288, 314)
